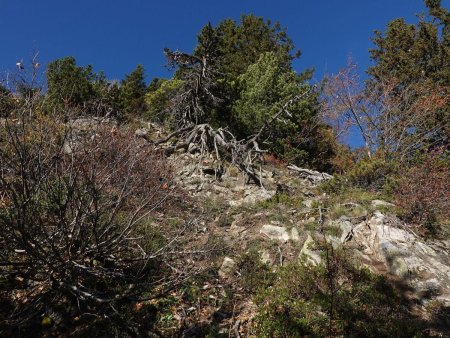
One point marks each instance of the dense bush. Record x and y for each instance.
(69, 85)
(374, 173)
(332, 299)
(158, 100)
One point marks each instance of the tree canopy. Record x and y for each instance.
(415, 59)
(68, 84)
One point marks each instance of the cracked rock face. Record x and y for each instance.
(423, 265)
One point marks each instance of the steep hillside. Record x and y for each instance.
(262, 233)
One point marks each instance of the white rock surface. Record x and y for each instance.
(424, 266)
(277, 233)
(309, 253)
(380, 203)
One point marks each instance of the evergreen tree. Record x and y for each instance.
(132, 92)
(241, 44)
(108, 101)
(413, 53)
(68, 84)
(231, 47)
(265, 86)
(298, 136)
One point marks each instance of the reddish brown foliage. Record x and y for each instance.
(424, 192)
(391, 117)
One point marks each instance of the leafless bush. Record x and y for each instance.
(75, 224)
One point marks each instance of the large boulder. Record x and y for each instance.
(386, 245)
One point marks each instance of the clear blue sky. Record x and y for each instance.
(115, 36)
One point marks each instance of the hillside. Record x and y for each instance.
(227, 200)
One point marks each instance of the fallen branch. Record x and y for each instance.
(310, 175)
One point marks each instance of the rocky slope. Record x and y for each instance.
(288, 218)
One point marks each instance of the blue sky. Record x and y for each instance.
(114, 36)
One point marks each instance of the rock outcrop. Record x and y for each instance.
(385, 246)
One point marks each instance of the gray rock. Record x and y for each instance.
(347, 229)
(252, 196)
(308, 203)
(141, 133)
(295, 237)
(423, 265)
(67, 148)
(276, 233)
(265, 257)
(228, 268)
(309, 253)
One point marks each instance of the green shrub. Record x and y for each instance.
(332, 299)
(370, 173)
(374, 174)
(253, 272)
(280, 198)
(158, 100)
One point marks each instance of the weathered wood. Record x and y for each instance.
(311, 175)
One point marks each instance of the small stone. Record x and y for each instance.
(141, 132)
(265, 257)
(227, 268)
(308, 203)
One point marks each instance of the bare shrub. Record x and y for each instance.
(76, 232)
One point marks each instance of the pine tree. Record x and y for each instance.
(132, 93)
(68, 84)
